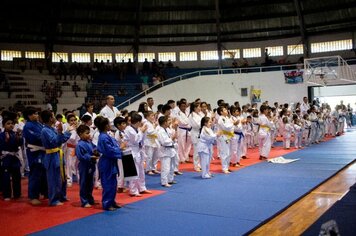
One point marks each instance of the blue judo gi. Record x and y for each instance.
(54, 164)
(84, 152)
(108, 168)
(10, 165)
(37, 179)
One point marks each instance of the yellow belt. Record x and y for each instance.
(265, 127)
(152, 136)
(229, 134)
(61, 163)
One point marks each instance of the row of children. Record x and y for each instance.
(147, 137)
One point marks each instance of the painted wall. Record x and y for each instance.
(210, 88)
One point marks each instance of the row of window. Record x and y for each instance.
(338, 45)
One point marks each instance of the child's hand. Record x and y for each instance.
(123, 145)
(175, 124)
(60, 127)
(143, 128)
(96, 153)
(72, 127)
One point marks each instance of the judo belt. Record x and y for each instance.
(229, 134)
(61, 162)
(317, 124)
(169, 146)
(152, 137)
(241, 135)
(186, 132)
(71, 145)
(6, 153)
(265, 127)
(35, 148)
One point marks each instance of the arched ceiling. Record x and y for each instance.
(169, 22)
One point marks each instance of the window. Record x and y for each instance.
(275, 51)
(81, 57)
(103, 57)
(251, 52)
(9, 55)
(209, 55)
(188, 56)
(166, 56)
(231, 54)
(150, 56)
(123, 56)
(331, 46)
(34, 55)
(57, 56)
(295, 49)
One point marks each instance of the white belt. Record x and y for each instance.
(35, 148)
(5, 153)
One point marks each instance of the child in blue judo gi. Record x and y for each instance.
(53, 161)
(37, 179)
(87, 156)
(108, 168)
(10, 162)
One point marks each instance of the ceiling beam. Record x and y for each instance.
(303, 31)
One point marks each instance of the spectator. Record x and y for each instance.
(121, 92)
(62, 70)
(44, 86)
(144, 79)
(75, 88)
(74, 70)
(156, 79)
(146, 66)
(58, 89)
(169, 64)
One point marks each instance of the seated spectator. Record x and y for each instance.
(44, 86)
(235, 64)
(156, 79)
(121, 92)
(144, 79)
(75, 88)
(58, 89)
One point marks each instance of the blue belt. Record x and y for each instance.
(241, 135)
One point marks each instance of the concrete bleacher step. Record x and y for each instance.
(24, 96)
(71, 100)
(17, 78)
(18, 84)
(20, 90)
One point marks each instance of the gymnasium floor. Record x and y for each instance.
(232, 204)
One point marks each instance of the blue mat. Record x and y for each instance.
(232, 204)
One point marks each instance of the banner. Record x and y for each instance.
(293, 76)
(256, 95)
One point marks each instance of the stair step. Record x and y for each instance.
(25, 96)
(15, 78)
(18, 84)
(20, 90)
